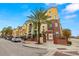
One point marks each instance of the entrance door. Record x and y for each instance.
(50, 36)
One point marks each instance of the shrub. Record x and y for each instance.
(69, 43)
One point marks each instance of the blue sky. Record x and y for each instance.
(16, 14)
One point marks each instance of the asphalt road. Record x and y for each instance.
(8, 48)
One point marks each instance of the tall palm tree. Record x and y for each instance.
(38, 16)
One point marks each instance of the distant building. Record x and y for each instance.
(15, 32)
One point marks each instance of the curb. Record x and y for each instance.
(34, 46)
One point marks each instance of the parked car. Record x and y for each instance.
(8, 37)
(16, 39)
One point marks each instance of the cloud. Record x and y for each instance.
(60, 3)
(71, 8)
(70, 16)
(50, 4)
(53, 4)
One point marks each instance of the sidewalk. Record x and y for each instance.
(50, 46)
(56, 50)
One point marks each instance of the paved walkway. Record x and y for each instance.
(57, 50)
(62, 53)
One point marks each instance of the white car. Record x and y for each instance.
(16, 39)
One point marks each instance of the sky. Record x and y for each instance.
(16, 14)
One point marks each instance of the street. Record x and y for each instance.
(8, 48)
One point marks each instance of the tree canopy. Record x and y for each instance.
(7, 31)
(66, 33)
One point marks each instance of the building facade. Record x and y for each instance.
(52, 28)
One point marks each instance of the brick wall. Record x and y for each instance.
(60, 41)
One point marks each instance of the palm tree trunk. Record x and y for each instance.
(38, 34)
(44, 37)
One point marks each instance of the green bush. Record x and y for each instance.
(69, 43)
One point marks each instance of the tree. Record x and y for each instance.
(66, 33)
(7, 31)
(49, 24)
(38, 16)
(3, 32)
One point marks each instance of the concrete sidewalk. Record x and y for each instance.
(55, 49)
(49, 45)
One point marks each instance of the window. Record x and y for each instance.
(57, 32)
(56, 24)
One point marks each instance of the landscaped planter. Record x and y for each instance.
(60, 41)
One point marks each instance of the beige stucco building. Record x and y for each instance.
(29, 27)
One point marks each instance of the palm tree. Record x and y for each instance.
(38, 16)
